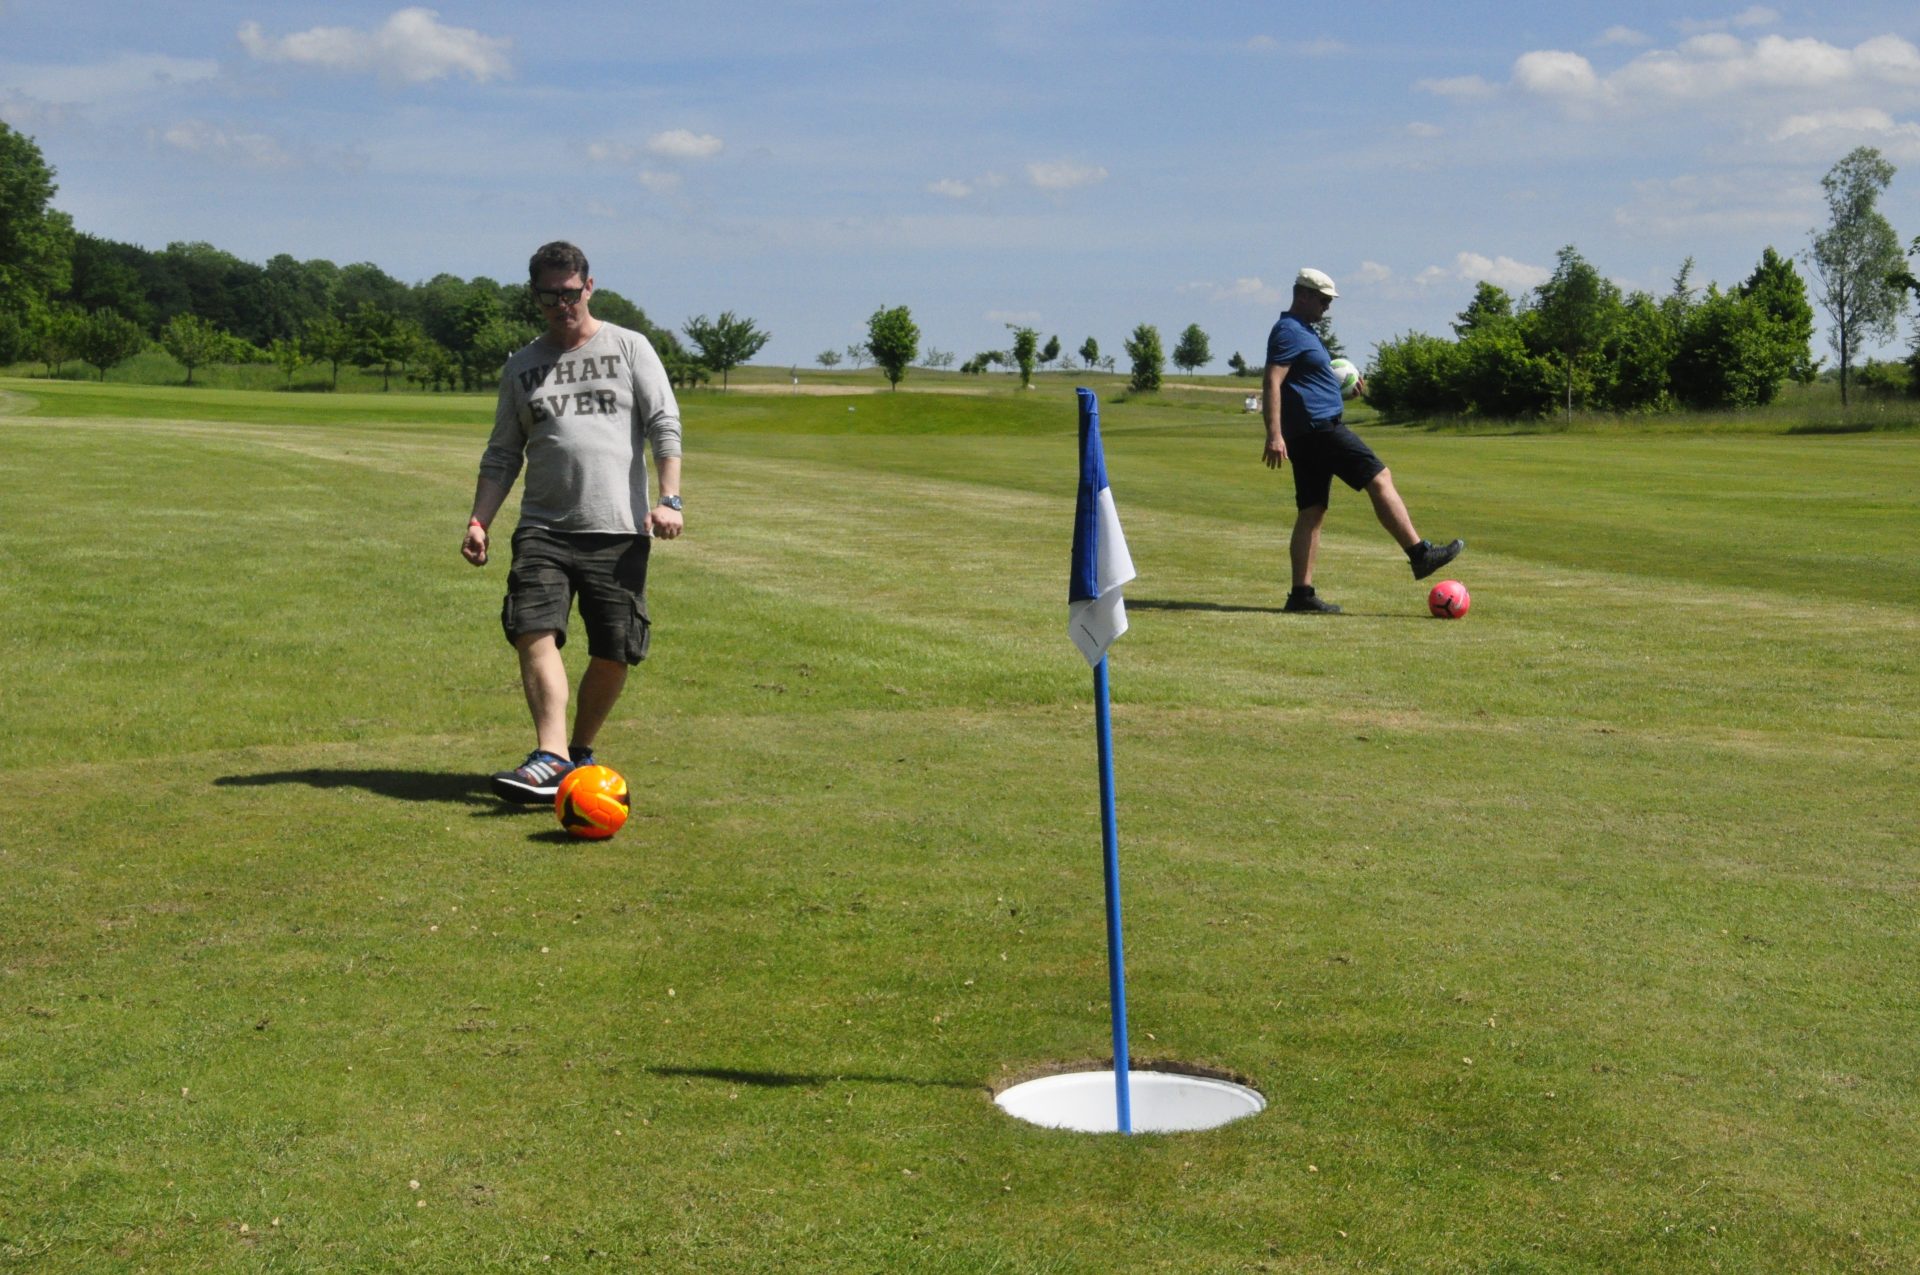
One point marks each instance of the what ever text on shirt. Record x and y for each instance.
(591, 402)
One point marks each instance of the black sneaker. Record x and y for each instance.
(1309, 602)
(581, 756)
(534, 780)
(1428, 557)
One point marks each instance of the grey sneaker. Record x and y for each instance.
(534, 780)
(1428, 557)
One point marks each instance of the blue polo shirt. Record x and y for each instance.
(1311, 391)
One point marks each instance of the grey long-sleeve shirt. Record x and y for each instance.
(581, 421)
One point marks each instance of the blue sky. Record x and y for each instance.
(1078, 167)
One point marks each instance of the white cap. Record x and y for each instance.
(1315, 281)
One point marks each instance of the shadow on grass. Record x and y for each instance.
(1231, 608)
(791, 1079)
(401, 785)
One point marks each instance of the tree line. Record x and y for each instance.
(67, 295)
(1577, 342)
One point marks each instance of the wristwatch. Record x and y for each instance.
(671, 502)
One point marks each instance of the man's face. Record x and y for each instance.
(1310, 305)
(562, 297)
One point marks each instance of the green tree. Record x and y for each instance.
(1574, 311)
(1090, 352)
(1494, 372)
(827, 358)
(1144, 349)
(1490, 308)
(384, 340)
(1323, 328)
(288, 356)
(893, 340)
(1026, 344)
(1777, 289)
(1637, 357)
(329, 340)
(1050, 351)
(726, 342)
(1192, 350)
(1238, 365)
(1417, 375)
(194, 342)
(1729, 355)
(1855, 256)
(108, 338)
(36, 242)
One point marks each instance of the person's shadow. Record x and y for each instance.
(1232, 608)
(400, 785)
(789, 1079)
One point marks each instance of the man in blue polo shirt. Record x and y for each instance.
(1302, 407)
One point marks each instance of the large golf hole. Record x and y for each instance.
(1160, 1101)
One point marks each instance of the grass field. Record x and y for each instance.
(1576, 936)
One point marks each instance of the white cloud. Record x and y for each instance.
(413, 46)
(1373, 274)
(951, 188)
(1244, 291)
(1464, 87)
(611, 152)
(679, 143)
(1717, 66)
(1551, 73)
(1472, 267)
(1064, 175)
(1727, 205)
(658, 182)
(199, 137)
(1821, 132)
(1624, 35)
(130, 75)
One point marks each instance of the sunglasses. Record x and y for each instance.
(562, 296)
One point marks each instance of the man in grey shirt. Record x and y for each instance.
(580, 406)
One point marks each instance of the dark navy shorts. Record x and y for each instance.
(608, 572)
(1323, 451)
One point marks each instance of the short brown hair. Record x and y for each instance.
(558, 255)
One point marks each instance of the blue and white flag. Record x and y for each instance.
(1096, 613)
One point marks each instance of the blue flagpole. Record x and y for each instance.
(1116, 963)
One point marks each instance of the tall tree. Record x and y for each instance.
(1144, 349)
(1855, 255)
(1575, 310)
(1090, 352)
(1026, 344)
(194, 342)
(1777, 288)
(1490, 308)
(828, 358)
(726, 342)
(893, 340)
(329, 340)
(56, 334)
(1050, 351)
(1192, 350)
(36, 242)
(108, 338)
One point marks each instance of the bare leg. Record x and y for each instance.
(544, 678)
(1391, 510)
(1305, 545)
(600, 688)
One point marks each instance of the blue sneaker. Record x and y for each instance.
(534, 780)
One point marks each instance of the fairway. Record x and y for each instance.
(1577, 935)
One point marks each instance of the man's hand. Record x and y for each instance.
(1275, 454)
(664, 523)
(474, 547)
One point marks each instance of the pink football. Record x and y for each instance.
(1449, 600)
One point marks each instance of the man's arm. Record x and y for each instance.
(488, 496)
(661, 521)
(1275, 454)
